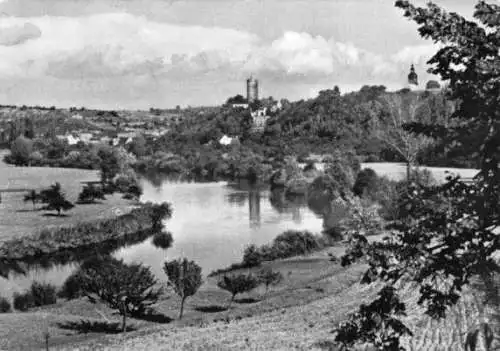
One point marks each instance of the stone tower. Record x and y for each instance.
(252, 89)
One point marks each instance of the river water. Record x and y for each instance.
(212, 223)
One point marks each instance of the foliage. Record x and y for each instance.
(184, 277)
(237, 284)
(128, 288)
(163, 240)
(39, 294)
(72, 287)
(447, 236)
(362, 218)
(110, 163)
(90, 193)
(128, 184)
(5, 306)
(23, 301)
(20, 151)
(366, 182)
(252, 256)
(55, 199)
(376, 323)
(43, 293)
(268, 277)
(159, 213)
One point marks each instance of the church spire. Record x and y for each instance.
(412, 77)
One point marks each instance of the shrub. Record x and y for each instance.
(163, 240)
(23, 301)
(185, 278)
(43, 293)
(251, 256)
(237, 284)
(294, 242)
(4, 305)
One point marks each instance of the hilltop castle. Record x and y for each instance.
(431, 86)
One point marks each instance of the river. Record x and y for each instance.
(212, 223)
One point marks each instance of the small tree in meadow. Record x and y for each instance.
(128, 288)
(55, 199)
(237, 284)
(269, 277)
(184, 277)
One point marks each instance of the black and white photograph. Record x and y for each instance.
(260, 175)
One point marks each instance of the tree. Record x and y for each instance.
(55, 199)
(401, 109)
(138, 146)
(163, 240)
(20, 151)
(184, 277)
(90, 193)
(237, 284)
(32, 196)
(448, 237)
(268, 277)
(161, 212)
(128, 288)
(109, 165)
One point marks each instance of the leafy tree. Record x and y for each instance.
(32, 196)
(90, 193)
(448, 237)
(138, 146)
(163, 240)
(20, 151)
(268, 277)
(55, 199)
(109, 165)
(184, 277)
(237, 284)
(161, 212)
(128, 288)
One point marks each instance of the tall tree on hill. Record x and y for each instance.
(401, 109)
(449, 237)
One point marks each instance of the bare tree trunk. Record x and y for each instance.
(182, 307)
(408, 171)
(231, 301)
(124, 321)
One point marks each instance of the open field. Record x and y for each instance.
(20, 218)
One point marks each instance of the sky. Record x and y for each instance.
(137, 54)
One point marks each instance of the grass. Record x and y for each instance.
(18, 218)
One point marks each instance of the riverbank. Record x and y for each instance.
(306, 279)
(51, 241)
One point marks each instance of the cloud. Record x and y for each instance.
(18, 34)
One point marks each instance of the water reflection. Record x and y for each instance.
(212, 223)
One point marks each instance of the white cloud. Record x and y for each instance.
(17, 33)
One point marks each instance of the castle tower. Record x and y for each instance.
(252, 89)
(412, 78)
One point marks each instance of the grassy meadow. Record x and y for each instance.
(19, 218)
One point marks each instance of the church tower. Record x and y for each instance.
(412, 78)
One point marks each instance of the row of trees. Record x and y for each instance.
(132, 289)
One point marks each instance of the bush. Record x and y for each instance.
(4, 305)
(90, 193)
(43, 293)
(268, 277)
(251, 256)
(23, 301)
